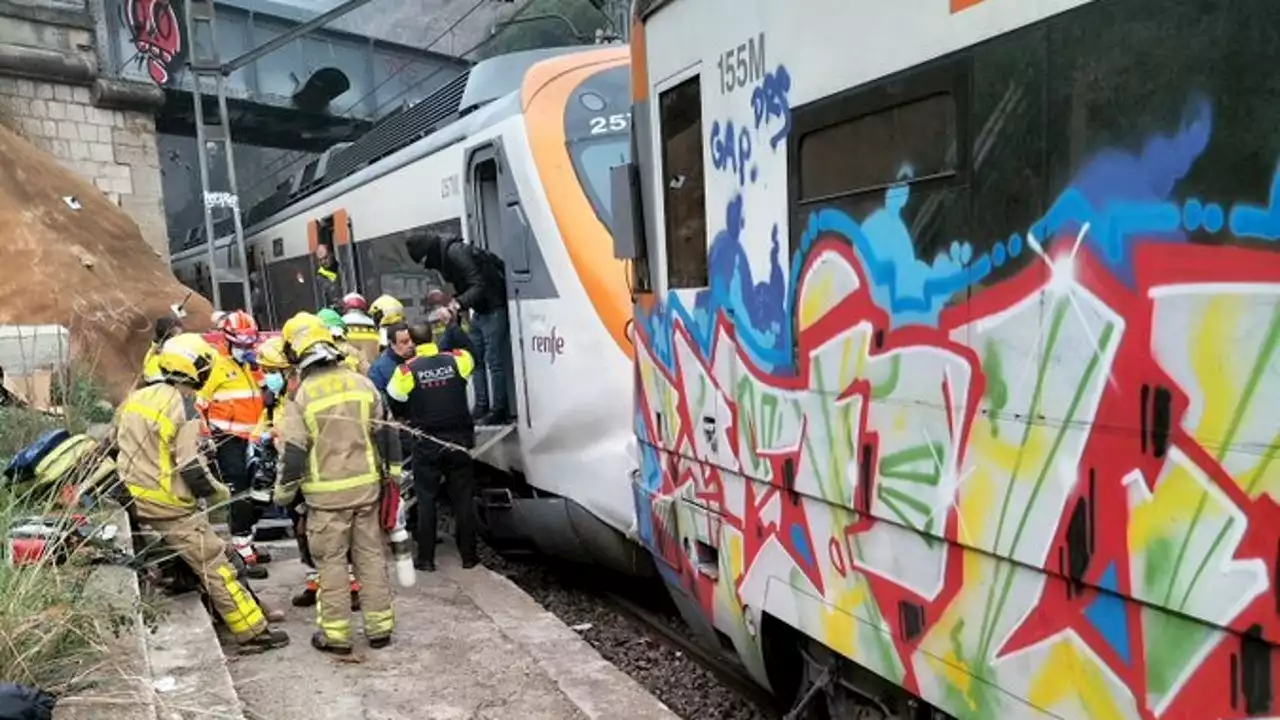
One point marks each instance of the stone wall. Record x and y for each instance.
(113, 149)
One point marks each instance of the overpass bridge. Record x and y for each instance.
(97, 83)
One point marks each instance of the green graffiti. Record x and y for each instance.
(1170, 642)
(997, 392)
(1095, 360)
(744, 396)
(1260, 364)
(895, 465)
(890, 384)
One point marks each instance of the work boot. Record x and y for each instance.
(377, 643)
(321, 643)
(307, 598)
(268, 639)
(497, 417)
(263, 555)
(480, 411)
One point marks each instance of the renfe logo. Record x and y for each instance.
(551, 344)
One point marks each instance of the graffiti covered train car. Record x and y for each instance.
(956, 357)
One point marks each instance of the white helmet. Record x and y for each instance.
(216, 317)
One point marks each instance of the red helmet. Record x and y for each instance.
(239, 329)
(354, 301)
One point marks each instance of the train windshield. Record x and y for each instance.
(598, 133)
(592, 160)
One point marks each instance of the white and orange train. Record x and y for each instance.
(513, 156)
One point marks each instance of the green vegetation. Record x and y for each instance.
(53, 626)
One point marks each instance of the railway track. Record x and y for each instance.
(676, 638)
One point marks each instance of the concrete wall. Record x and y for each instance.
(114, 149)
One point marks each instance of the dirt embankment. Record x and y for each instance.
(86, 269)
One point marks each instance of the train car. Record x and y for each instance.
(514, 157)
(956, 324)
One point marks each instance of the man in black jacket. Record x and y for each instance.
(479, 279)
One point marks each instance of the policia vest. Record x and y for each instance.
(433, 388)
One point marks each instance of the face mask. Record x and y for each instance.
(275, 382)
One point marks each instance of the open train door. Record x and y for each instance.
(496, 222)
(334, 234)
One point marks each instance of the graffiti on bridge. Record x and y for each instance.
(155, 33)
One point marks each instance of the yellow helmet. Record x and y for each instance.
(271, 355)
(186, 359)
(386, 310)
(303, 332)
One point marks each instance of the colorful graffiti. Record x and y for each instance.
(1049, 494)
(154, 31)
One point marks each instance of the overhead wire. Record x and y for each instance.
(273, 171)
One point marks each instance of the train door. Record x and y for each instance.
(333, 258)
(259, 289)
(497, 224)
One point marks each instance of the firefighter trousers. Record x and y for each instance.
(193, 539)
(331, 535)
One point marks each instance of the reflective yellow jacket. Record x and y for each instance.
(151, 364)
(157, 431)
(336, 439)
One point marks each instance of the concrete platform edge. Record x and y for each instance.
(592, 683)
(188, 667)
(120, 688)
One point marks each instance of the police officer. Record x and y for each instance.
(335, 442)
(430, 393)
(157, 432)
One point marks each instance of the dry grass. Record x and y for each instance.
(53, 629)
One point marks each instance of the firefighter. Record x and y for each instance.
(386, 311)
(276, 372)
(335, 441)
(362, 331)
(430, 393)
(232, 404)
(338, 329)
(157, 432)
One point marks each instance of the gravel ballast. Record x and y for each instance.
(691, 691)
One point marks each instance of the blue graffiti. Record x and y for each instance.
(1124, 197)
(1253, 221)
(730, 152)
(758, 309)
(912, 289)
(771, 99)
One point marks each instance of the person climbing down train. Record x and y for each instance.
(479, 278)
(328, 281)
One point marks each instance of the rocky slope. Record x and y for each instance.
(70, 257)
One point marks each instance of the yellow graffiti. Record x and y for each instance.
(1212, 367)
(1065, 675)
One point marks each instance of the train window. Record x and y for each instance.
(1007, 188)
(871, 151)
(680, 115)
(277, 247)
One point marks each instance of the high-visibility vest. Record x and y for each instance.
(231, 400)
